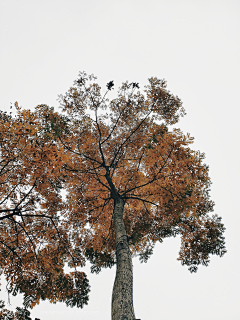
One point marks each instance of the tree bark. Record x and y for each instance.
(122, 296)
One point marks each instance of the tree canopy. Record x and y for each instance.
(63, 173)
(33, 242)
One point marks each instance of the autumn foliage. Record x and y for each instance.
(33, 242)
(98, 151)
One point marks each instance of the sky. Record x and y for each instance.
(195, 46)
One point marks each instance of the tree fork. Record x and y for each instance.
(122, 295)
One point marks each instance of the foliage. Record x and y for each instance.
(33, 239)
(91, 150)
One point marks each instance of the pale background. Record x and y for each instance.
(195, 46)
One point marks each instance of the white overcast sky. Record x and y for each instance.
(195, 46)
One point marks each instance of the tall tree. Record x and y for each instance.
(129, 181)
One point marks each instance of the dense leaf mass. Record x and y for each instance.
(33, 240)
(94, 150)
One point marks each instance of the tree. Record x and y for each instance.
(129, 180)
(31, 255)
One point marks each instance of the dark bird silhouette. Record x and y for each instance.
(135, 85)
(110, 85)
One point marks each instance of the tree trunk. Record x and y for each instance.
(122, 296)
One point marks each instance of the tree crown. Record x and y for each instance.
(99, 151)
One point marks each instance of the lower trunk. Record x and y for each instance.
(122, 300)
